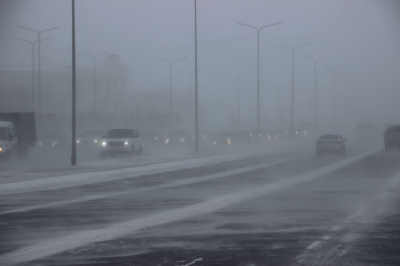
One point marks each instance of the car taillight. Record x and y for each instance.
(338, 142)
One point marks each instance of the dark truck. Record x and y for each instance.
(24, 124)
(392, 136)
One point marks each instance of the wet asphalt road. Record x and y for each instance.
(347, 214)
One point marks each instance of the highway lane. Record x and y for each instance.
(297, 210)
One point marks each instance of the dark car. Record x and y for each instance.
(392, 136)
(54, 141)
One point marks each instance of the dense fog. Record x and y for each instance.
(131, 45)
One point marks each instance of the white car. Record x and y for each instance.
(121, 141)
(8, 139)
(331, 143)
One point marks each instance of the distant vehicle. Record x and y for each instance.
(54, 141)
(274, 135)
(294, 132)
(222, 138)
(121, 141)
(17, 133)
(89, 138)
(8, 139)
(178, 137)
(242, 137)
(392, 136)
(154, 138)
(331, 143)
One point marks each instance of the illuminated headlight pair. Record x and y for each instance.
(166, 141)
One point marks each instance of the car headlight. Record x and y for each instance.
(104, 143)
(126, 143)
(95, 141)
(1, 149)
(77, 141)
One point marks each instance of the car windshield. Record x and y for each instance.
(120, 133)
(3, 133)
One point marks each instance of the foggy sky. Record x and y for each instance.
(361, 35)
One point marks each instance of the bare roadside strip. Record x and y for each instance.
(74, 180)
(184, 182)
(79, 239)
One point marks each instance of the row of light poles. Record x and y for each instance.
(94, 78)
(258, 69)
(33, 66)
(40, 74)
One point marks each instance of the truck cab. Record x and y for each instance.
(8, 139)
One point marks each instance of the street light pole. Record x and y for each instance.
(258, 71)
(333, 94)
(239, 100)
(73, 154)
(315, 88)
(40, 74)
(196, 102)
(94, 78)
(170, 86)
(33, 67)
(190, 95)
(293, 50)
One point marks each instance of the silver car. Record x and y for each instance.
(331, 143)
(121, 141)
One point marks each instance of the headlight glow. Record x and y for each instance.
(126, 143)
(104, 143)
(95, 141)
(1, 149)
(77, 141)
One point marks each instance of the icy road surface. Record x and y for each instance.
(261, 209)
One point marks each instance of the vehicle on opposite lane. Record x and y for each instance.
(392, 136)
(331, 143)
(90, 138)
(121, 141)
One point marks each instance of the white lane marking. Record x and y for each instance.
(110, 175)
(193, 262)
(314, 244)
(382, 195)
(184, 182)
(74, 240)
